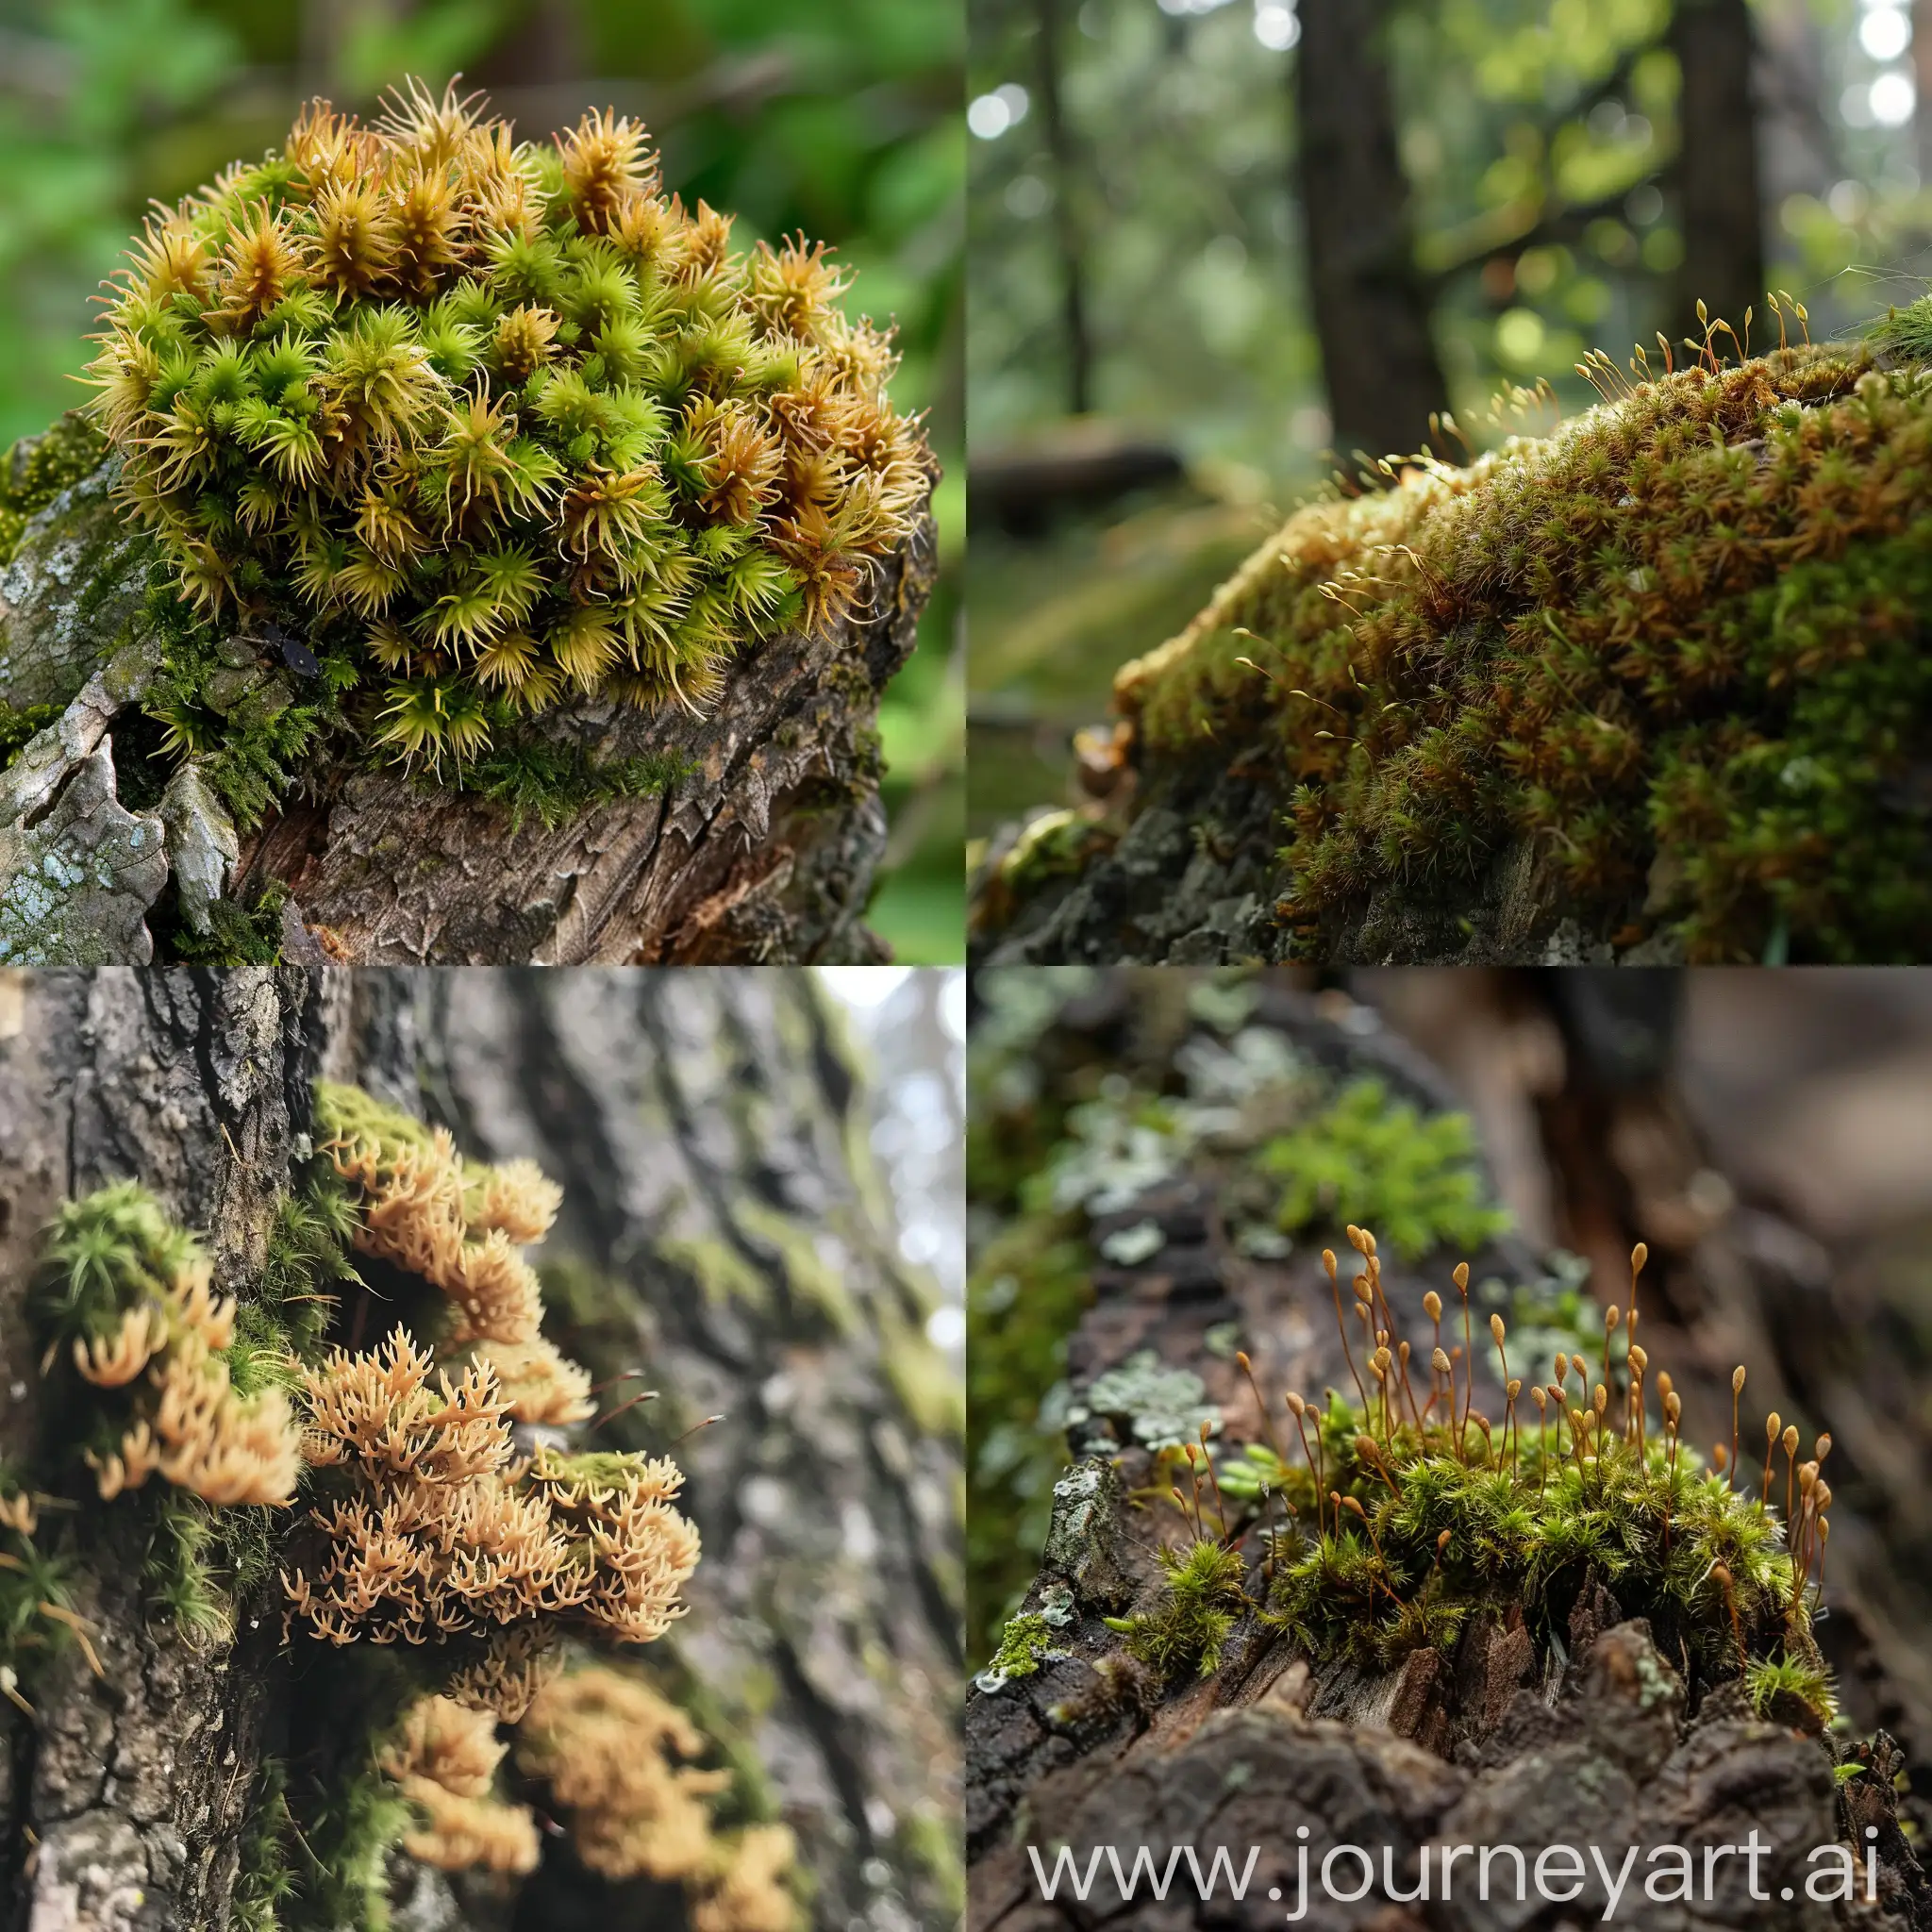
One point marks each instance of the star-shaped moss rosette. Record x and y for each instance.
(499, 425)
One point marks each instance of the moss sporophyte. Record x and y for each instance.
(481, 426)
(379, 1493)
(1671, 648)
(1393, 1519)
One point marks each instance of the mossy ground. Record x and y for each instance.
(1677, 643)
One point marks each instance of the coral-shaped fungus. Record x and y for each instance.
(1411, 1512)
(436, 1528)
(444, 1761)
(608, 1746)
(500, 422)
(458, 1227)
(127, 1294)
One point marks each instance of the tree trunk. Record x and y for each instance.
(1071, 242)
(1609, 1740)
(763, 854)
(1372, 314)
(1717, 167)
(722, 1232)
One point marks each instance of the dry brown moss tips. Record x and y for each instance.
(502, 423)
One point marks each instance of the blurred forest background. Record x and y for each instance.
(1214, 242)
(841, 117)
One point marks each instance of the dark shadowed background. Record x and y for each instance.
(840, 117)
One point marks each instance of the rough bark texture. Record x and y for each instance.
(1717, 171)
(764, 855)
(1372, 315)
(1507, 1740)
(1194, 877)
(722, 1233)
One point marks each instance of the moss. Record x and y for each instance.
(1199, 1601)
(237, 935)
(556, 784)
(1369, 1158)
(36, 470)
(1022, 1300)
(18, 726)
(1674, 646)
(495, 426)
(266, 1879)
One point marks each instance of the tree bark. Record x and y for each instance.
(722, 1232)
(1502, 1742)
(1717, 172)
(1372, 314)
(764, 854)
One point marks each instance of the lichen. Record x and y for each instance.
(1670, 648)
(1025, 1644)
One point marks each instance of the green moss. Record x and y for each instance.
(1782, 1685)
(1022, 1644)
(266, 1881)
(556, 784)
(1022, 1300)
(35, 471)
(506, 427)
(106, 1254)
(1371, 1160)
(18, 726)
(1674, 645)
(1523, 1531)
(307, 1260)
(237, 935)
(1188, 1626)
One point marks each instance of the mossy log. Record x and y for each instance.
(719, 1236)
(1605, 1731)
(1650, 688)
(763, 851)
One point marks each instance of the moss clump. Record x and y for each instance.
(494, 425)
(1187, 1629)
(1367, 1158)
(1675, 645)
(36, 470)
(1414, 1515)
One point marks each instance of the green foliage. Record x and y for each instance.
(512, 420)
(1373, 1161)
(1023, 1642)
(30, 1581)
(18, 726)
(307, 1260)
(1775, 1684)
(104, 1254)
(1673, 645)
(1187, 1627)
(237, 935)
(341, 1881)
